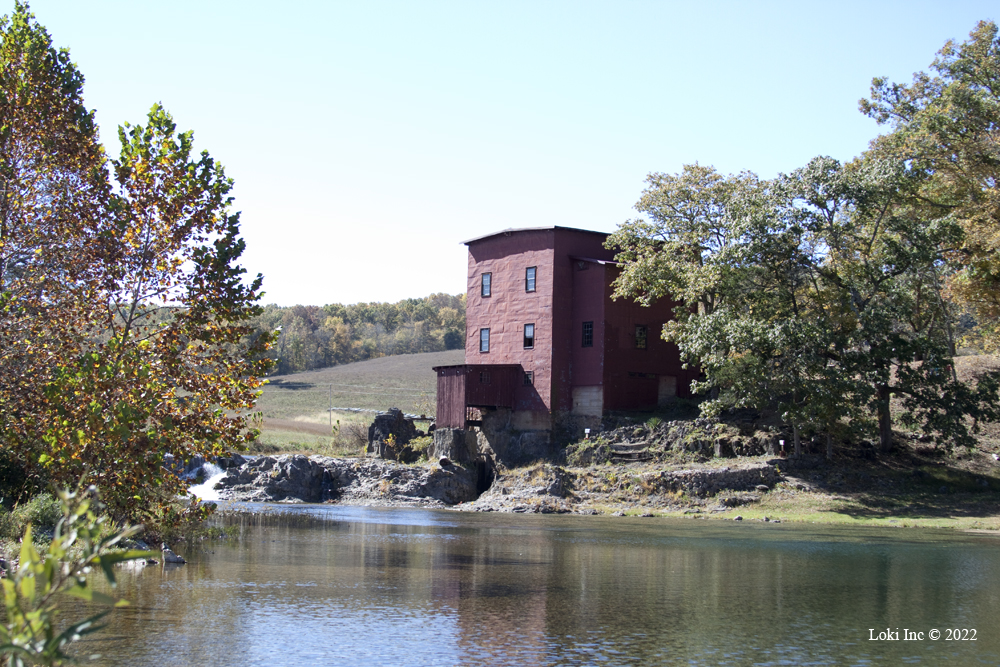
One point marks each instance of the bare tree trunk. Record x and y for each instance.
(829, 442)
(884, 419)
(797, 440)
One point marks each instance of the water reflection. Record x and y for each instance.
(373, 586)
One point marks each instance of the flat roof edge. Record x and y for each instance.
(513, 230)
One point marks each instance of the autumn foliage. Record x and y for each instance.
(124, 314)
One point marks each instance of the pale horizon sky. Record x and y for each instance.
(368, 139)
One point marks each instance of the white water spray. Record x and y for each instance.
(206, 491)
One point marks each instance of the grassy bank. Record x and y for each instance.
(914, 486)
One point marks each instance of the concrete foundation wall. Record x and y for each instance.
(588, 401)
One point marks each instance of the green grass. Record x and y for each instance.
(957, 511)
(291, 442)
(41, 511)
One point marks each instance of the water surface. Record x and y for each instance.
(353, 586)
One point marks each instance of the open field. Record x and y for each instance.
(404, 381)
(296, 407)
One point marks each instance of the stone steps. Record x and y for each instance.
(630, 453)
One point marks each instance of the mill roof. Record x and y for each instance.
(508, 232)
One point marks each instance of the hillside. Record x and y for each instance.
(317, 337)
(404, 381)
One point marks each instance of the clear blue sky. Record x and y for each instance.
(368, 139)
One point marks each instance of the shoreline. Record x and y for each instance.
(808, 491)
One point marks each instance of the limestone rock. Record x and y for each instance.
(370, 481)
(170, 557)
(392, 423)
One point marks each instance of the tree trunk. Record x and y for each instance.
(829, 442)
(797, 440)
(884, 419)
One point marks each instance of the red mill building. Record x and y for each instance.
(546, 346)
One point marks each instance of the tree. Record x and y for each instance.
(945, 126)
(816, 294)
(683, 249)
(54, 194)
(127, 325)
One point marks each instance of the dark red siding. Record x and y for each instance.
(632, 375)
(571, 243)
(478, 386)
(450, 397)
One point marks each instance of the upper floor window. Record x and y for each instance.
(529, 378)
(484, 340)
(640, 336)
(529, 336)
(529, 279)
(487, 279)
(588, 334)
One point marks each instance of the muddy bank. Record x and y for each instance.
(547, 488)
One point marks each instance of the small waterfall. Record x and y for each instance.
(206, 491)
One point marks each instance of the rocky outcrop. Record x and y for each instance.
(542, 489)
(325, 479)
(268, 478)
(456, 444)
(710, 481)
(389, 434)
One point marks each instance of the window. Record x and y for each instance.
(484, 340)
(484, 377)
(529, 378)
(529, 279)
(588, 334)
(487, 279)
(640, 336)
(529, 336)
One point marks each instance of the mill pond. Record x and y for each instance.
(343, 585)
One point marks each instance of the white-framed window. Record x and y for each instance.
(484, 340)
(486, 286)
(529, 279)
(529, 336)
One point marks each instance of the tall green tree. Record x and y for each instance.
(825, 298)
(945, 125)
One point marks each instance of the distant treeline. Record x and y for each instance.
(320, 336)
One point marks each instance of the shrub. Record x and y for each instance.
(80, 542)
(421, 445)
